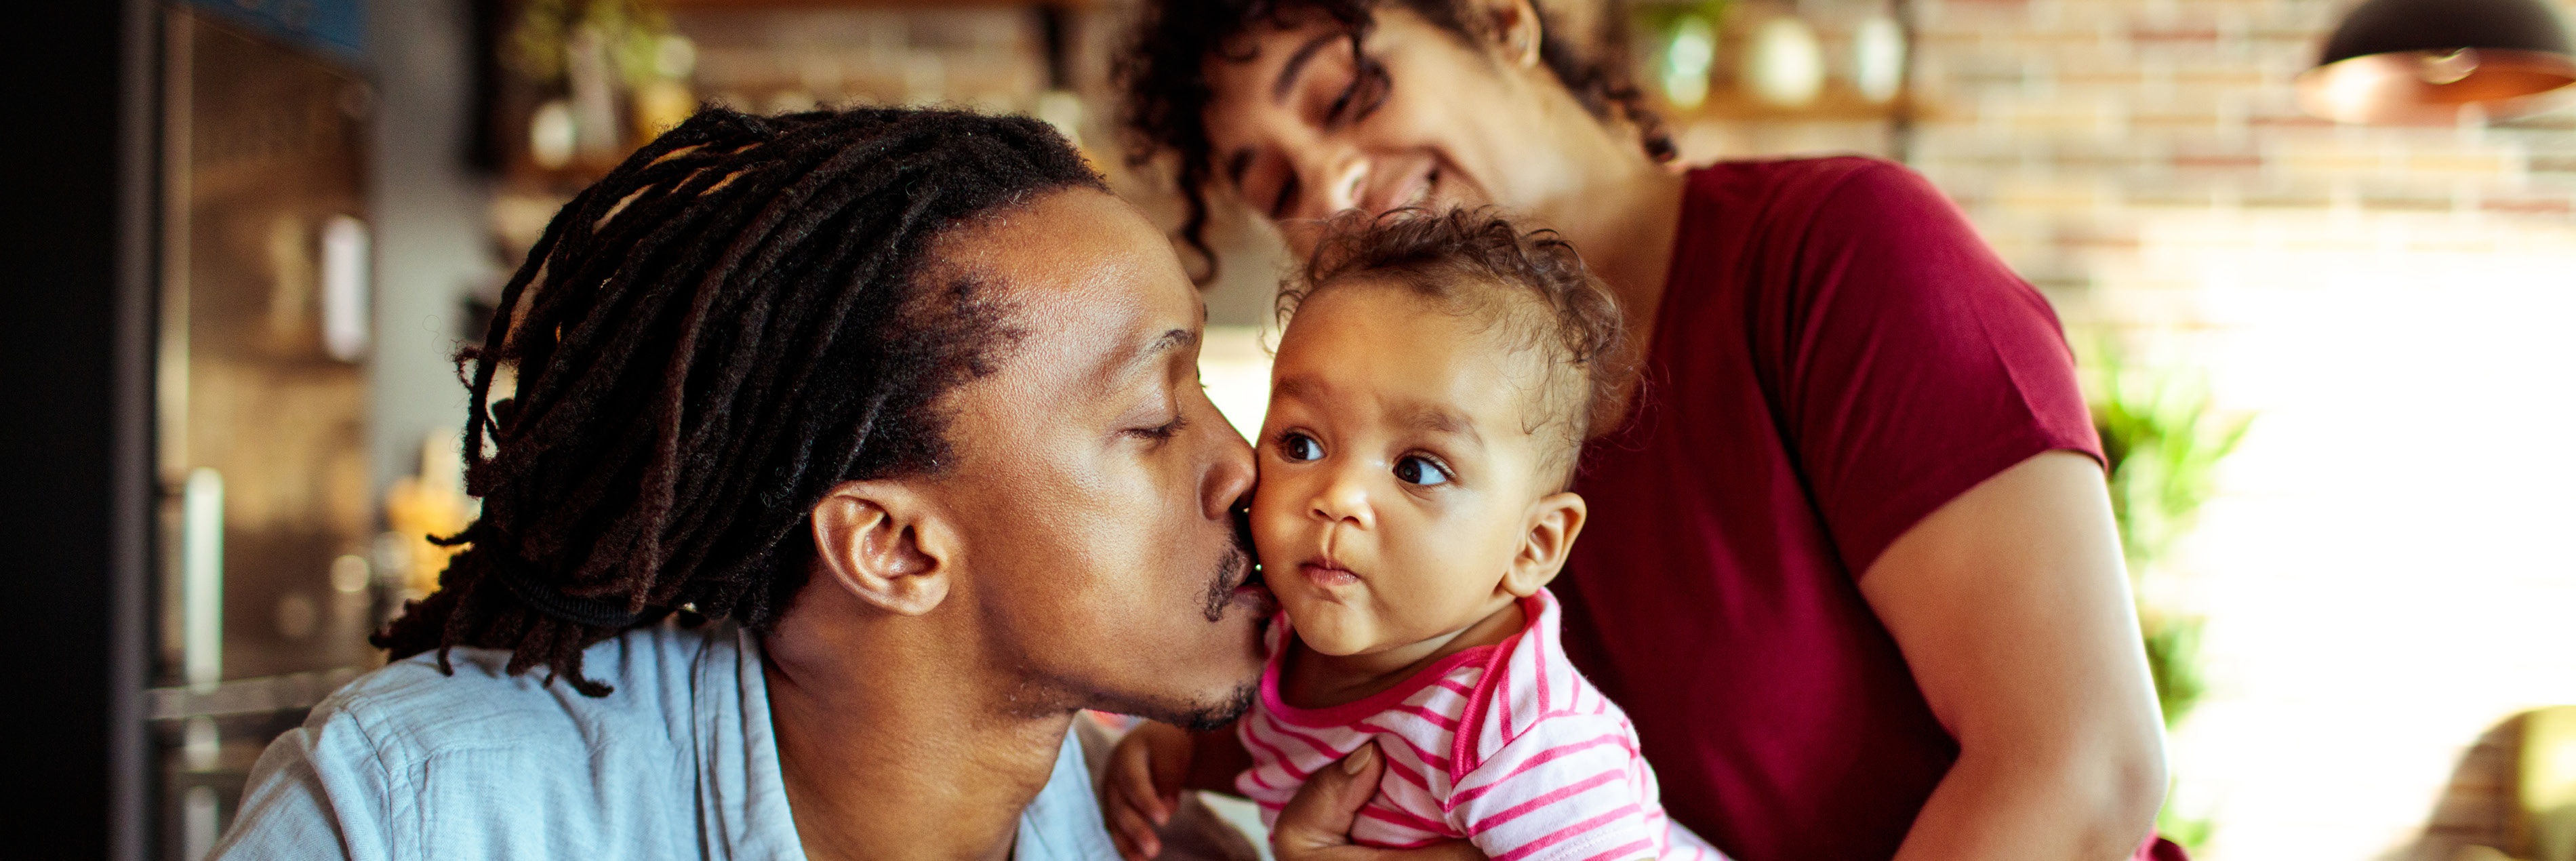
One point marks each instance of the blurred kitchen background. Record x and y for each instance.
(2332, 358)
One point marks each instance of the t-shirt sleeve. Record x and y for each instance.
(1911, 363)
(1570, 788)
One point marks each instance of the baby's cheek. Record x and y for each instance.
(1432, 599)
(1277, 530)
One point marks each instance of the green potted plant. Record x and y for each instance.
(2163, 440)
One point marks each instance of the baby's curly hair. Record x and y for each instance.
(1531, 286)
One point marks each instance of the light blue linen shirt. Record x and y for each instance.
(405, 763)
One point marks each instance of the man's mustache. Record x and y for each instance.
(1232, 569)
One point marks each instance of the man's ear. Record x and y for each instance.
(1516, 28)
(1554, 522)
(883, 543)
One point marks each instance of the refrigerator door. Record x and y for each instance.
(267, 594)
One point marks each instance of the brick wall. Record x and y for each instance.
(2056, 122)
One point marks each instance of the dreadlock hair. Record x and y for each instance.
(1531, 288)
(1163, 73)
(736, 319)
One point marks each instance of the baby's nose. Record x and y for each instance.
(1345, 501)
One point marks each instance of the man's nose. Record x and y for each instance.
(1229, 479)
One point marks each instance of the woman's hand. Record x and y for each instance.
(1142, 787)
(1316, 824)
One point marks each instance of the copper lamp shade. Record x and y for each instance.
(2420, 61)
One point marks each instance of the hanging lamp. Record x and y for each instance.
(2421, 61)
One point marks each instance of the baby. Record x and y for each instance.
(1433, 388)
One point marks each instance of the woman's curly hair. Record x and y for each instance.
(1162, 74)
(1530, 286)
(703, 344)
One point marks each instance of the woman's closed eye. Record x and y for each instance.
(1367, 90)
(1422, 471)
(1286, 198)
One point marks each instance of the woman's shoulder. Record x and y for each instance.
(1801, 230)
(1806, 177)
(1792, 167)
(1809, 193)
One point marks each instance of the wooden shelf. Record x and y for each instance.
(1835, 104)
(756, 5)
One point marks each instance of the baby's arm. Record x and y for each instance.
(1571, 787)
(1141, 788)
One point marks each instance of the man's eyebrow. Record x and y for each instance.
(1129, 363)
(1170, 340)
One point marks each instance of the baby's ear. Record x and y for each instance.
(1553, 523)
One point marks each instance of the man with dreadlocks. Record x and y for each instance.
(842, 458)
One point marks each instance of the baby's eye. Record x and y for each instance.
(1416, 469)
(1299, 448)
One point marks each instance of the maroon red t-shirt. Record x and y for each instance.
(1837, 355)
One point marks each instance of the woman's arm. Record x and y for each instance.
(2012, 607)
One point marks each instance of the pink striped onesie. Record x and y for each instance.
(1544, 769)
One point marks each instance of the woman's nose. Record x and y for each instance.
(1332, 181)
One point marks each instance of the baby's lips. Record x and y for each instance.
(1327, 574)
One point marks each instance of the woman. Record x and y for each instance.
(1852, 568)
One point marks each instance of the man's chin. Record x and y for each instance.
(1211, 707)
(1214, 715)
(1207, 709)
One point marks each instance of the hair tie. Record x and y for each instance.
(555, 604)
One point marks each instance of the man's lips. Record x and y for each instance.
(1251, 581)
(1255, 595)
(1249, 588)
(1254, 591)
